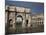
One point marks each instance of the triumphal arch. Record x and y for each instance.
(18, 19)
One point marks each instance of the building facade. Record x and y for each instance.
(17, 18)
(20, 19)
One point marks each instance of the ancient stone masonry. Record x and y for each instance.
(18, 15)
(20, 19)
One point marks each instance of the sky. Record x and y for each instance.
(36, 7)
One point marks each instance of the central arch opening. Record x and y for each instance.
(19, 20)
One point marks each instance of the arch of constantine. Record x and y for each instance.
(18, 19)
